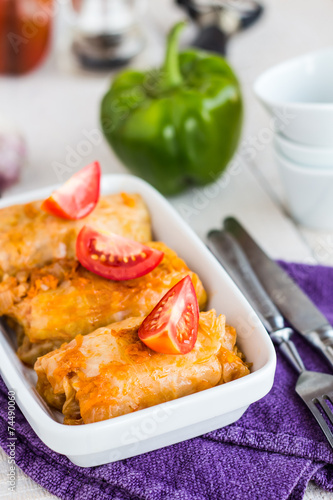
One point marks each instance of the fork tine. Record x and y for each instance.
(326, 408)
(321, 421)
(329, 395)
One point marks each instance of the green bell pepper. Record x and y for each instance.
(175, 126)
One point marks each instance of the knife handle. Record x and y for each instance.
(231, 256)
(291, 300)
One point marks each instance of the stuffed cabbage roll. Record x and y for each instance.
(51, 305)
(29, 237)
(110, 372)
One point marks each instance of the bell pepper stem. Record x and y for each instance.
(171, 75)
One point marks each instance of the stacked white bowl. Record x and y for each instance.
(299, 96)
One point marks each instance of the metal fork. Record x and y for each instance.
(314, 388)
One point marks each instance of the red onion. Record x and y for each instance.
(12, 157)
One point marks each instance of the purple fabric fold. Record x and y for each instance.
(271, 453)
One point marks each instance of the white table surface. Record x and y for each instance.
(53, 107)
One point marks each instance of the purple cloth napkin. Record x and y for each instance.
(271, 453)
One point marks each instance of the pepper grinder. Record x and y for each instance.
(105, 33)
(219, 20)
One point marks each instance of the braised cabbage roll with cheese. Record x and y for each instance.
(110, 372)
(52, 305)
(30, 237)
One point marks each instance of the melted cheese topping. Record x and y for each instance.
(30, 237)
(110, 372)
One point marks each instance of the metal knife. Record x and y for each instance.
(294, 305)
(315, 389)
(230, 255)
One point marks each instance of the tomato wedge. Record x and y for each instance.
(78, 196)
(172, 326)
(115, 257)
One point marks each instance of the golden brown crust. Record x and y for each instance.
(29, 237)
(59, 301)
(110, 372)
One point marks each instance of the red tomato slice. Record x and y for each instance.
(115, 257)
(172, 326)
(78, 196)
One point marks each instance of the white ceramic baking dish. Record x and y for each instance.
(168, 423)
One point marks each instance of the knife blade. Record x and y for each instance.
(230, 255)
(294, 305)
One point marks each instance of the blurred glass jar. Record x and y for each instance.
(105, 32)
(25, 33)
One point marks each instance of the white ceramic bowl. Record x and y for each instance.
(168, 423)
(309, 193)
(305, 155)
(299, 96)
